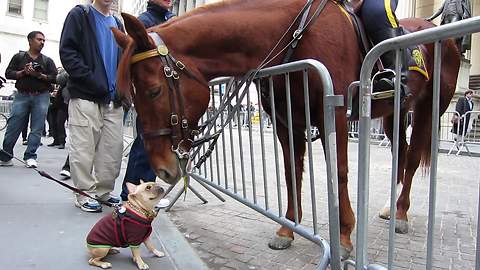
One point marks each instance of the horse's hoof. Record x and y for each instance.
(384, 213)
(401, 226)
(280, 242)
(345, 252)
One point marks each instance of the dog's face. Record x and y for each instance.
(147, 194)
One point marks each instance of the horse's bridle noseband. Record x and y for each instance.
(177, 120)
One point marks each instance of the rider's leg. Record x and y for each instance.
(381, 24)
(388, 60)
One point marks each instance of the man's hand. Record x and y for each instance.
(28, 69)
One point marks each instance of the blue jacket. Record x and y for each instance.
(81, 57)
(154, 15)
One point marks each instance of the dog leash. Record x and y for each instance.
(72, 188)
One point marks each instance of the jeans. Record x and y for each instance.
(25, 105)
(138, 166)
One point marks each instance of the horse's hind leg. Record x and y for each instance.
(402, 151)
(284, 235)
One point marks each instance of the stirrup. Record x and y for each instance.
(385, 94)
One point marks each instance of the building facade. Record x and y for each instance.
(20, 17)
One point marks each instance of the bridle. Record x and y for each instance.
(180, 132)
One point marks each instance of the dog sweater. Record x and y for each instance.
(123, 228)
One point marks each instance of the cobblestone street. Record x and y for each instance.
(231, 236)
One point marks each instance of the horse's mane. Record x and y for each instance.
(124, 81)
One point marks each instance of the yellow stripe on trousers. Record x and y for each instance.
(390, 14)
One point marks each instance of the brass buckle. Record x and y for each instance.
(174, 119)
(184, 123)
(180, 65)
(175, 75)
(168, 71)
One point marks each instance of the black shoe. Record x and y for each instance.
(61, 146)
(387, 85)
(384, 81)
(53, 144)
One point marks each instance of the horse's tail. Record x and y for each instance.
(423, 110)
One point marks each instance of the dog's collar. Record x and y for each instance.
(146, 213)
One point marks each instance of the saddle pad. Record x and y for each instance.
(416, 60)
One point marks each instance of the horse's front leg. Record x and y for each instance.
(347, 217)
(284, 236)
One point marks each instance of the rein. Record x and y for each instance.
(248, 78)
(171, 65)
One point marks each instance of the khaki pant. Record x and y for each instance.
(96, 145)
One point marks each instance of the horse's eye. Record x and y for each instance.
(148, 187)
(153, 93)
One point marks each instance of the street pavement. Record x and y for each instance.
(231, 236)
(41, 228)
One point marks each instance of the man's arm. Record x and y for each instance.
(50, 74)
(14, 71)
(70, 41)
(436, 14)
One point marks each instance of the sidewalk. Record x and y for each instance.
(42, 229)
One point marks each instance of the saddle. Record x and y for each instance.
(415, 53)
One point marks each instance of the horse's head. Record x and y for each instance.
(169, 95)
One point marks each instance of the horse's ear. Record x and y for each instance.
(137, 31)
(122, 39)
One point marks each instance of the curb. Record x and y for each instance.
(175, 245)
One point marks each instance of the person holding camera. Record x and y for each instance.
(34, 74)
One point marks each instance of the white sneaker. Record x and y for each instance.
(163, 203)
(65, 174)
(6, 163)
(31, 163)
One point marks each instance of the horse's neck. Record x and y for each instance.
(223, 44)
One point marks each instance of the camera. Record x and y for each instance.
(36, 66)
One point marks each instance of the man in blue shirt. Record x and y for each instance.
(138, 167)
(90, 56)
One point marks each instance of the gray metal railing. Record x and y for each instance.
(433, 35)
(247, 165)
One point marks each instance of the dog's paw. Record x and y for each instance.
(141, 264)
(103, 265)
(158, 253)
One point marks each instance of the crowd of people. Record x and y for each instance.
(83, 94)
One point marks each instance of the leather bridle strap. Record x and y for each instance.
(170, 66)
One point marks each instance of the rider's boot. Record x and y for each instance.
(384, 81)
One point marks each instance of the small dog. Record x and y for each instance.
(128, 226)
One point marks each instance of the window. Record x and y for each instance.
(40, 10)
(15, 7)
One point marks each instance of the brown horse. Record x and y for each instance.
(231, 37)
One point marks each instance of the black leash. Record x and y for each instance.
(72, 188)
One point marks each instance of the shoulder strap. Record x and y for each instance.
(85, 8)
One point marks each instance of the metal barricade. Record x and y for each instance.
(466, 132)
(433, 35)
(6, 106)
(247, 165)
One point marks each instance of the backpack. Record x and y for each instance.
(42, 62)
